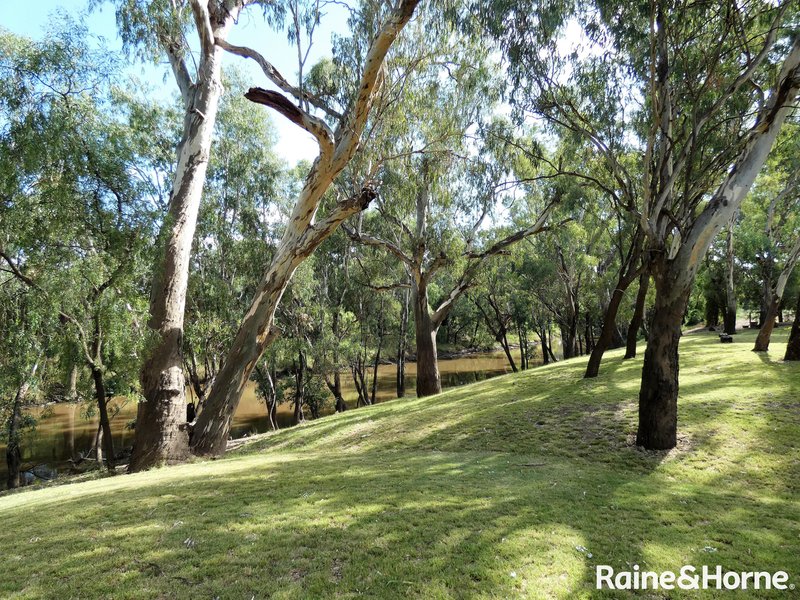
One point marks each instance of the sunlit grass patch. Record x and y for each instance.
(514, 487)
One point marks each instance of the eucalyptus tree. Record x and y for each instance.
(25, 325)
(730, 278)
(376, 26)
(236, 233)
(773, 211)
(701, 91)
(154, 28)
(78, 208)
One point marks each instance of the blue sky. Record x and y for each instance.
(293, 143)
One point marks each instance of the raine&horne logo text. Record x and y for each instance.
(690, 578)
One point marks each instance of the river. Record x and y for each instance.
(64, 430)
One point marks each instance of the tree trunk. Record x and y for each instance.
(377, 360)
(105, 424)
(402, 342)
(428, 379)
(98, 445)
(638, 316)
(299, 389)
(607, 333)
(335, 388)
(507, 351)
(765, 333)
(302, 235)
(793, 346)
(658, 396)
(72, 383)
(730, 288)
(13, 453)
(161, 435)
(569, 334)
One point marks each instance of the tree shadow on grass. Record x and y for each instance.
(506, 499)
(440, 524)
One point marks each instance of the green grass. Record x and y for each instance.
(485, 491)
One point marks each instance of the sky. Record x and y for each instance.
(294, 144)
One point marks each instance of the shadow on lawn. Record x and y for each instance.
(499, 500)
(385, 527)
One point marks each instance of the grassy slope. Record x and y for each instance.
(482, 492)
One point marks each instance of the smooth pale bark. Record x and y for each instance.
(674, 272)
(793, 345)
(161, 433)
(302, 235)
(638, 316)
(72, 383)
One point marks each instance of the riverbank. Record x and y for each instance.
(518, 486)
(64, 432)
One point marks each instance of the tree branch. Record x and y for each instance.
(275, 77)
(369, 240)
(296, 115)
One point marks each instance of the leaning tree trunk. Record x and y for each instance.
(429, 381)
(105, 424)
(638, 316)
(161, 435)
(658, 396)
(765, 333)
(603, 341)
(302, 235)
(793, 346)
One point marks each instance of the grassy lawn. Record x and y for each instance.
(513, 487)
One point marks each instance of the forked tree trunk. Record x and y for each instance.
(606, 334)
(658, 395)
(335, 388)
(793, 346)
(569, 334)
(773, 297)
(161, 434)
(638, 316)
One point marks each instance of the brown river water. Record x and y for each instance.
(63, 430)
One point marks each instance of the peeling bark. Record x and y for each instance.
(161, 433)
(302, 236)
